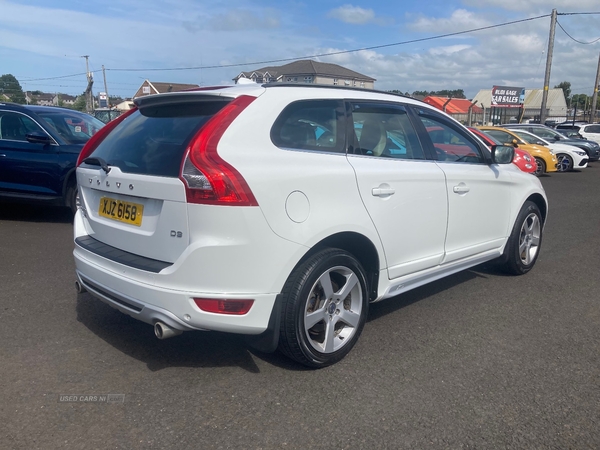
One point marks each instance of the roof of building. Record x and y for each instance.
(67, 97)
(307, 67)
(44, 97)
(454, 106)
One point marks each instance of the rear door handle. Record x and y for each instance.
(383, 192)
(461, 189)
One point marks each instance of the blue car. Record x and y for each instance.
(39, 146)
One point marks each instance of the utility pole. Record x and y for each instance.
(595, 96)
(89, 100)
(105, 88)
(548, 66)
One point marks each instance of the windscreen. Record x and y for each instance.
(152, 140)
(73, 127)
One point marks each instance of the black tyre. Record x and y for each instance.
(72, 196)
(540, 167)
(525, 240)
(324, 309)
(565, 162)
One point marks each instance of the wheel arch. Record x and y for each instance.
(539, 200)
(358, 245)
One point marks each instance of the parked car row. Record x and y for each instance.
(590, 131)
(591, 147)
(551, 150)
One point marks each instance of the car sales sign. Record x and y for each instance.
(508, 97)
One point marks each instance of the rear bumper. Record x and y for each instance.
(231, 257)
(151, 303)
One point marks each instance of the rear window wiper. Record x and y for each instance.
(96, 161)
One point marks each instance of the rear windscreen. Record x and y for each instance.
(152, 141)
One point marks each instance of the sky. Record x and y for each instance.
(209, 43)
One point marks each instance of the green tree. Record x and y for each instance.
(114, 100)
(454, 93)
(11, 87)
(581, 100)
(420, 93)
(79, 104)
(566, 87)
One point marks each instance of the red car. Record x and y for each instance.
(522, 159)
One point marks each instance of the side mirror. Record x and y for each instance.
(556, 137)
(515, 143)
(38, 138)
(502, 154)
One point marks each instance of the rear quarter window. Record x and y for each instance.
(314, 125)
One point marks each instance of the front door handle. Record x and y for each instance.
(383, 191)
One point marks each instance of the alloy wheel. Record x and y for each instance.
(333, 310)
(529, 238)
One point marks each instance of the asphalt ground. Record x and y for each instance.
(476, 360)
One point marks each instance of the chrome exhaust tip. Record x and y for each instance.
(79, 287)
(163, 331)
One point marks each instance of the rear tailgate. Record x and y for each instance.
(156, 224)
(130, 190)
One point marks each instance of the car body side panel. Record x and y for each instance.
(308, 192)
(29, 168)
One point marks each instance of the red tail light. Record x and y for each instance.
(95, 140)
(234, 307)
(209, 179)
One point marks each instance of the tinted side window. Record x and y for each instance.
(316, 125)
(15, 126)
(384, 130)
(592, 129)
(545, 134)
(500, 136)
(449, 141)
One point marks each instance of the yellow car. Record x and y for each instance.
(544, 157)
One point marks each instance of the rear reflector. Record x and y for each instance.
(220, 306)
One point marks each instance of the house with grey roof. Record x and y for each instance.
(155, 87)
(311, 72)
(46, 99)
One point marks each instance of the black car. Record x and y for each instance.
(590, 147)
(39, 146)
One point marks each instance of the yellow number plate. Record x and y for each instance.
(126, 212)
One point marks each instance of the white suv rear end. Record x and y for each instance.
(280, 212)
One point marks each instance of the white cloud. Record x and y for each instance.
(449, 50)
(353, 14)
(460, 20)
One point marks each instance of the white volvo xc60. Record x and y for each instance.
(282, 211)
